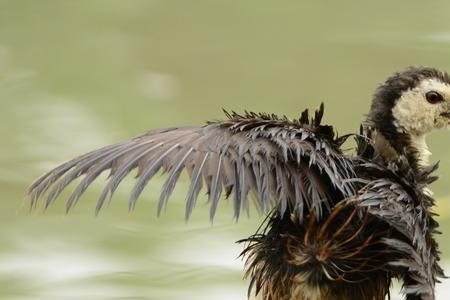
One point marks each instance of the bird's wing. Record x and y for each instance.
(399, 198)
(295, 164)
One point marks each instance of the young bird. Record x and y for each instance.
(339, 226)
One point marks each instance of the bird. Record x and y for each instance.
(339, 224)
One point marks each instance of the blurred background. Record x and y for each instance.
(76, 75)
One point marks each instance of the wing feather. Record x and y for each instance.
(196, 184)
(148, 173)
(292, 164)
(84, 167)
(216, 188)
(171, 181)
(121, 172)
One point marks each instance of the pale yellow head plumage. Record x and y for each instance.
(423, 108)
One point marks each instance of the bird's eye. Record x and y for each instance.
(434, 97)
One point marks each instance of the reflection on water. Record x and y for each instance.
(77, 75)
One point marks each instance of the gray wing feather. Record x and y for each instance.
(148, 173)
(216, 188)
(120, 174)
(171, 181)
(196, 184)
(292, 164)
(79, 169)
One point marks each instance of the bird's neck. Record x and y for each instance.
(419, 145)
(412, 146)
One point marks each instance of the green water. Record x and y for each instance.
(76, 75)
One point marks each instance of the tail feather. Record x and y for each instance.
(339, 257)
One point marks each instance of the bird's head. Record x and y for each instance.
(415, 101)
(410, 104)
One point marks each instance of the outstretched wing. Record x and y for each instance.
(295, 164)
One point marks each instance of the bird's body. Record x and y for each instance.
(340, 226)
(384, 231)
